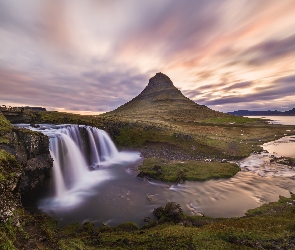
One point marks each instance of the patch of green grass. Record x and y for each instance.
(189, 170)
(74, 244)
(8, 166)
(64, 118)
(132, 137)
(136, 136)
(7, 236)
(24, 228)
(4, 139)
(233, 120)
(269, 209)
(5, 128)
(127, 227)
(5, 125)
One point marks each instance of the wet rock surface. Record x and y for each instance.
(32, 153)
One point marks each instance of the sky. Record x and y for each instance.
(91, 56)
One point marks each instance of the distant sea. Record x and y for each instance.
(285, 120)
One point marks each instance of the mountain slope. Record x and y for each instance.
(161, 100)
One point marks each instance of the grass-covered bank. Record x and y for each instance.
(5, 128)
(9, 168)
(178, 171)
(270, 226)
(229, 137)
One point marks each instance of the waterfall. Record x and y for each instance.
(108, 148)
(57, 174)
(83, 157)
(69, 162)
(67, 148)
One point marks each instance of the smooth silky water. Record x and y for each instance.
(93, 182)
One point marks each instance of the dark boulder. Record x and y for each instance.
(171, 212)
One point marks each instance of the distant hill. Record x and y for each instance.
(262, 113)
(161, 100)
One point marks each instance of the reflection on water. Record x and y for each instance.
(128, 198)
(234, 196)
(285, 120)
(283, 147)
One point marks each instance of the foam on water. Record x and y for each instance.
(74, 176)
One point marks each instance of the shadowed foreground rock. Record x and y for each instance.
(171, 212)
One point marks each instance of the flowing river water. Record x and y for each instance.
(101, 186)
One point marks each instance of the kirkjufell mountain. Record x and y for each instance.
(161, 100)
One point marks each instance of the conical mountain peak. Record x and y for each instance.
(160, 80)
(160, 87)
(161, 100)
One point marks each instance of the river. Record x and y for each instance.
(112, 194)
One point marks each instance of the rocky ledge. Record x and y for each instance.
(25, 165)
(9, 179)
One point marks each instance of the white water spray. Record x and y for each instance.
(81, 156)
(70, 166)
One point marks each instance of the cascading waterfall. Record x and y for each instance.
(108, 148)
(69, 164)
(82, 157)
(95, 159)
(74, 132)
(102, 147)
(67, 150)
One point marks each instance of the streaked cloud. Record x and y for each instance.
(282, 87)
(95, 55)
(267, 51)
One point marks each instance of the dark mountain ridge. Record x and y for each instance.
(290, 112)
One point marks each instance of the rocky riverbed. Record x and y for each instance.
(277, 160)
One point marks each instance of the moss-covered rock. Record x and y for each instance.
(5, 128)
(32, 153)
(25, 166)
(27, 231)
(171, 212)
(5, 125)
(10, 172)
